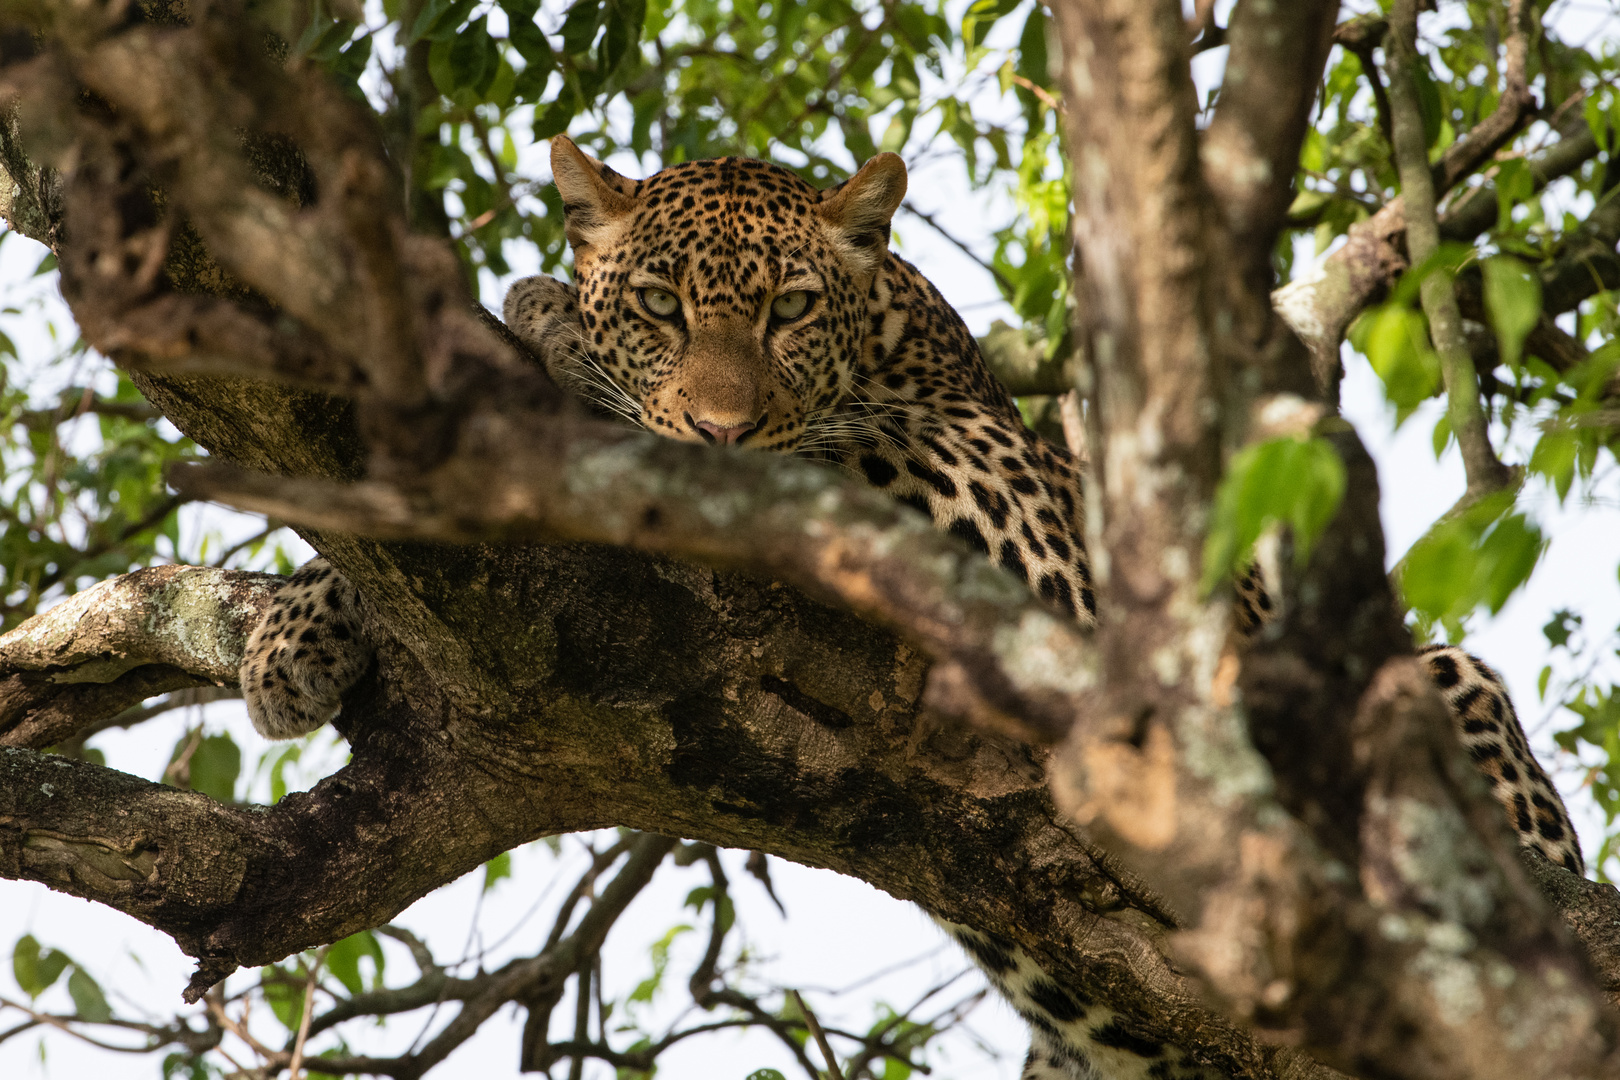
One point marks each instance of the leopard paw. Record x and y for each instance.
(306, 651)
(544, 313)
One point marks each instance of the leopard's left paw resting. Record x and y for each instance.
(306, 651)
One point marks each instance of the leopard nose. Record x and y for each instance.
(717, 433)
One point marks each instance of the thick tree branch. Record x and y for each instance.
(1486, 473)
(1160, 769)
(122, 641)
(1250, 152)
(1005, 660)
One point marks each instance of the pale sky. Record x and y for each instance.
(839, 930)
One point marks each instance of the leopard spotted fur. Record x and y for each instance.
(729, 301)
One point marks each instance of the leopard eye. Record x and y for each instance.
(660, 303)
(791, 305)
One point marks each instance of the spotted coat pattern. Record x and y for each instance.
(307, 650)
(678, 324)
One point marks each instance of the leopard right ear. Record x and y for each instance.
(594, 196)
(860, 208)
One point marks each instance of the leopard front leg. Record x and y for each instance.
(306, 651)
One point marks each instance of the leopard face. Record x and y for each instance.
(728, 301)
(723, 301)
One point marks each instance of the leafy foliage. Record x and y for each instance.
(1285, 481)
(466, 91)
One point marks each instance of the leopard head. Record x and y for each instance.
(724, 301)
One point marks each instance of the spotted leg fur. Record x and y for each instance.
(1490, 732)
(306, 651)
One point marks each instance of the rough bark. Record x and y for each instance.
(523, 690)
(1292, 871)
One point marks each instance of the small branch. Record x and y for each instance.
(1018, 359)
(1485, 471)
(130, 638)
(37, 710)
(1516, 105)
(928, 219)
(69, 567)
(296, 1063)
(1361, 37)
(1250, 152)
(1320, 307)
(1042, 94)
(820, 1036)
(77, 401)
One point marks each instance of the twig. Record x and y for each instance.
(61, 1024)
(820, 1036)
(179, 771)
(1485, 471)
(269, 528)
(218, 1012)
(297, 1062)
(179, 699)
(1361, 36)
(1040, 92)
(928, 219)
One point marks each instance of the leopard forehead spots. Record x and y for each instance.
(720, 300)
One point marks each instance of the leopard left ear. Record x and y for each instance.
(593, 195)
(861, 207)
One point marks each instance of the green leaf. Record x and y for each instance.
(765, 1074)
(520, 11)
(1555, 458)
(469, 61)
(579, 27)
(555, 119)
(1597, 119)
(215, 765)
(1294, 482)
(1512, 302)
(1477, 559)
(496, 869)
(1032, 61)
(624, 19)
(88, 1000)
(532, 45)
(278, 770)
(283, 991)
(1442, 435)
(439, 20)
(1396, 341)
(36, 970)
(343, 961)
(982, 15)
(182, 1066)
(1514, 186)
(645, 989)
(1563, 623)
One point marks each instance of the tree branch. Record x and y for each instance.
(1005, 661)
(1321, 306)
(1486, 473)
(1250, 152)
(122, 641)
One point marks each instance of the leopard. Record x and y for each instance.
(729, 302)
